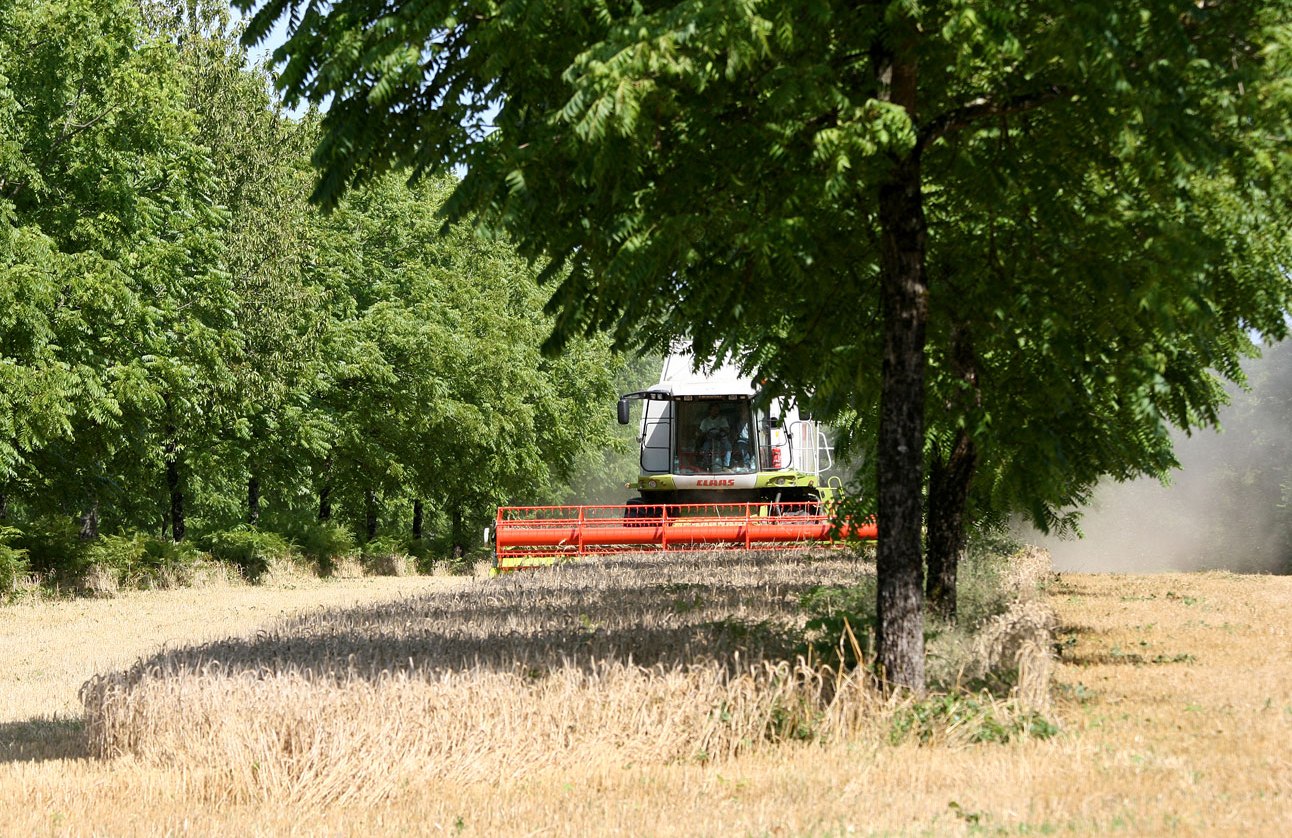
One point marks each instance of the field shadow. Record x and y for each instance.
(650, 613)
(43, 739)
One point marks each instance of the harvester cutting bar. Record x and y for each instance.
(532, 536)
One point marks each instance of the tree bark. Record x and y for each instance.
(949, 481)
(325, 493)
(90, 522)
(325, 502)
(4, 506)
(370, 513)
(904, 308)
(171, 455)
(418, 518)
(457, 538)
(177, 525)
(253, 500)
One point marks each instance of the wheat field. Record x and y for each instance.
(581, 702)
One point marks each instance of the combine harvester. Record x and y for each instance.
(719, 470)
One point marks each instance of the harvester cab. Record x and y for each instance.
(722, 467)
(707, 437)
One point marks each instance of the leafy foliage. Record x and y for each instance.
(13, 561)
(141, 560)
(52, 546)
(832, 192)
(840, 628)
(251, 550)
(191, 349)
(968, 719)
(323, 542)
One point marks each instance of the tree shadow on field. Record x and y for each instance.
(42, 739)
(729, 610)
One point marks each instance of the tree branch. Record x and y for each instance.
(981, 108)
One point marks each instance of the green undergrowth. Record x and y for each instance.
(841, 620)
(49, 558)
(143, 561)
(967, 718)
(251, 550)
(324, 543)
(13, 561)
(986, 670)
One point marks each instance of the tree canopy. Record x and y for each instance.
(1044, 224)
(187, 346)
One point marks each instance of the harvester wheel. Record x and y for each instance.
(809, 505)
(636, 508)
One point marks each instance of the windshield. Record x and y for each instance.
(715, 436)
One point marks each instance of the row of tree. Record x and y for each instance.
(1008, 244)
(187, 343)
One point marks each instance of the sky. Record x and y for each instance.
(275, 39)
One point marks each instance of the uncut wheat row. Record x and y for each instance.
(638, 658)
(635, 659)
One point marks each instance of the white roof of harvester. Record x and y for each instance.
(679, 378)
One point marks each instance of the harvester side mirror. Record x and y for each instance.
(623, 411)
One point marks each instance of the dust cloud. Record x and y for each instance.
(1227, 507)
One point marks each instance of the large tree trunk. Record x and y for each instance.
(457, 537)
(904, 306)
(90, 522)
(325, 493)
(253, 500)
(325, 502)
(370, 513)
(949, 481)
(418, 518)
(177, 525)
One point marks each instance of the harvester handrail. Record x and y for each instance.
(525, 536)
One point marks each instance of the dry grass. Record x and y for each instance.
(655, 659)
(389, 564)
(1185, 735)
(49, 648)
(1013, 638)
(1177, 692)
